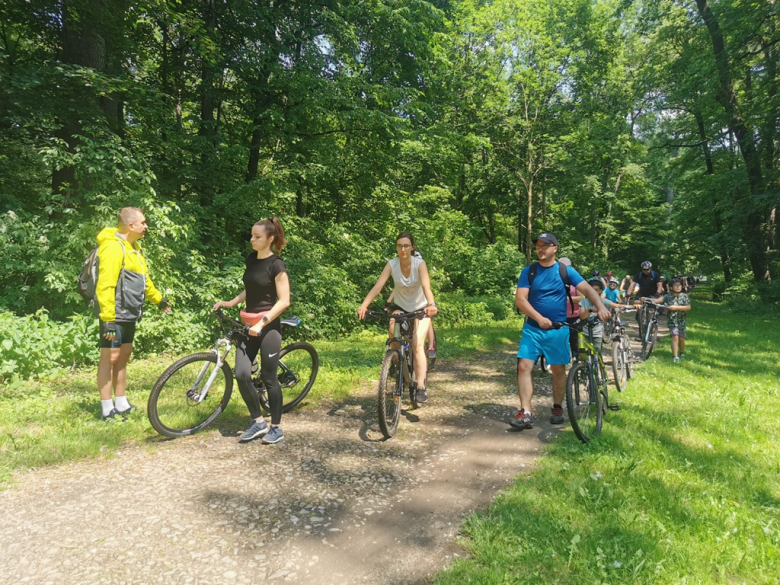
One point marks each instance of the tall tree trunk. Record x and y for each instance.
(754, 231)
(725, 257)
(529, 236)
(207, 104)
(84, 44)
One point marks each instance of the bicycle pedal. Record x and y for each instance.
(614, 406)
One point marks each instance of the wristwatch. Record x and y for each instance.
(264, 319)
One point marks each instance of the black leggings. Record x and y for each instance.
(269, 344)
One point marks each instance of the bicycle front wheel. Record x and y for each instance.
(619, 364)
(648, 342)
(298, 367)
(583, 403)
(389, 394)
(189, 395)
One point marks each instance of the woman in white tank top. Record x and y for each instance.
(412, 292)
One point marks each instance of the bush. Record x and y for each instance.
(454, 309)
(36, 346)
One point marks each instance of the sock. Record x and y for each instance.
(557, 406)
(107, 406)
(121, 403)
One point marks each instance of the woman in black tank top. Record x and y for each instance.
(266, 290)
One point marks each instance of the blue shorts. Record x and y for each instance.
(552, 343)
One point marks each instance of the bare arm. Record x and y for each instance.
(595, 299)
(372, 294)
(425, 281)
(233, 302)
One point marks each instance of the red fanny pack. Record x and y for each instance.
(252, 319)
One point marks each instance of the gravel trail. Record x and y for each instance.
(333, 503)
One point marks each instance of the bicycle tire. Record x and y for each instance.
(297, 361)
(171, 408)
(619, 365)
(583, 404)
(629, 357)
(649, 344)
(603, 386)
(388, 397)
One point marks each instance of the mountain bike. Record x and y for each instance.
(587, 385)
(648, 326)
(622, 355)
(397, 371)
(196, 389)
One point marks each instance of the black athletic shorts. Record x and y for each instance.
(125, 333)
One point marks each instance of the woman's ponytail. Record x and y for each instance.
(273, 227)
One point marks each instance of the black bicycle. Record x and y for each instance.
(622, 355)
(648, 325)
(196, 389)
(397, 372)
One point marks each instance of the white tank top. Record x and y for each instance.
(408, 291)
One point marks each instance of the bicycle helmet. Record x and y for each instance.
(596, 281)
(595, 273)
(647, 265)
(662, 277)
(675, 281)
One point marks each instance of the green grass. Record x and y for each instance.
(682, 486)
(43, 423)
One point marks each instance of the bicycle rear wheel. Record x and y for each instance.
(648, 342)
(175, 408)
(583, 403)
(389, 393)
(298, 367)
(629, 358)
(619, 364)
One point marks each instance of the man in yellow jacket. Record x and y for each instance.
(122, 285)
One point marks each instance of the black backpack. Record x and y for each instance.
(88, 277)
(564, 277)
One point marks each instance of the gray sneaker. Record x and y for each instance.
(522, 420)
(274, 436)
(256, 429)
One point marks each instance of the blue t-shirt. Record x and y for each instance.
(612, 295)
(548, 295)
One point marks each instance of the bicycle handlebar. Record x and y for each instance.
(591, 321)
(236, 326)
(400, 316)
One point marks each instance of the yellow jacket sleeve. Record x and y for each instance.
(110, 256)
(152, 294)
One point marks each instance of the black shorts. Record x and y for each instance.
(125, 333)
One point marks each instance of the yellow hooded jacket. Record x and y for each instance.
(121, 290)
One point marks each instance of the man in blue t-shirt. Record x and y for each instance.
(544, 302)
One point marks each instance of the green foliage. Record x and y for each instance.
(36, 345)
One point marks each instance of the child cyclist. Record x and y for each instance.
(678, 304)
(587, 307)
(612, 293)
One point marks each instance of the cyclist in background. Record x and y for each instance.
(412, 292)
(624, 286)
(612, 292)
(267, 295)
(678, 304)
(664, 284)
(647, 283)
(586, 307)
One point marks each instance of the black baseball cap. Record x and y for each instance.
(548, 238)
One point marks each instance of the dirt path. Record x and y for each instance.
(332, 502)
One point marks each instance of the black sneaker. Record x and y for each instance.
(421, 395)
(127, 412)
(556, 418)
(522, 420)
(112, 417)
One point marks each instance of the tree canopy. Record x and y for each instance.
(644, 129)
